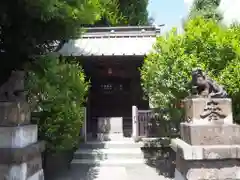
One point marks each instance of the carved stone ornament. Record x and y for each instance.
(13, 88)
(212, 112)
(208, 110)
(203, 86)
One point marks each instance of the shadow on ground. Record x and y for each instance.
(160, 156)
(79, 172)
(74, 171)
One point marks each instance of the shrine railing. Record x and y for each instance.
(152, 124)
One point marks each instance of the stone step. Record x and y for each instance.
(110, 144)
(113, 153)
(110, 137)
(108, 162)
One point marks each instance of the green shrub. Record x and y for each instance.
(56, 92)
(166, 71)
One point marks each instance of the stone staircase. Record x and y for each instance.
(118, 152)
(119, 158)
(111, 156)
(107, 160)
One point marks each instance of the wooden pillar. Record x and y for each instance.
(134, 91)
(84, 126)
(88, 116)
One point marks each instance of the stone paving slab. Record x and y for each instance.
(144, 172)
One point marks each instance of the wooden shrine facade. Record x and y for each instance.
(111, 58)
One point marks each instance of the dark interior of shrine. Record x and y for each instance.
(115, 88)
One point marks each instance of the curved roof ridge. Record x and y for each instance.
(112, 41)
(125, 31)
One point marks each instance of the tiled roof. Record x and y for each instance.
(109, 41)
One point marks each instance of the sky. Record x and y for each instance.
(168, 12)
(172, 12)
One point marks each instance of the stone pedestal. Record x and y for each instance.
(205, 111)
(20, 152)
(209, 147)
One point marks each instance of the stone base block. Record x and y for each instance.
(21, 155)
(207, 169)
(205, 110)
(31, 170)
(18, 137)
(211, 134)
(208, 152)
(207, 162)
(110, 125)
(37, 176)
(103, 137)
(109, 137)
(14, 113)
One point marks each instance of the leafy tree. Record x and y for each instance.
(30, 28)
(134, 12)
(167, 69)
(230, 75)
(206, 8)
(56, 93)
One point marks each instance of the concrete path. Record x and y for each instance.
(138, 172)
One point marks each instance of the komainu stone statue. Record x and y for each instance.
(13, 88)
(204, 86)
(209, 143)
(208, 103)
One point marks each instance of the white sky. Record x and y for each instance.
(229, 8)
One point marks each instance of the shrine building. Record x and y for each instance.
(111, 58)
